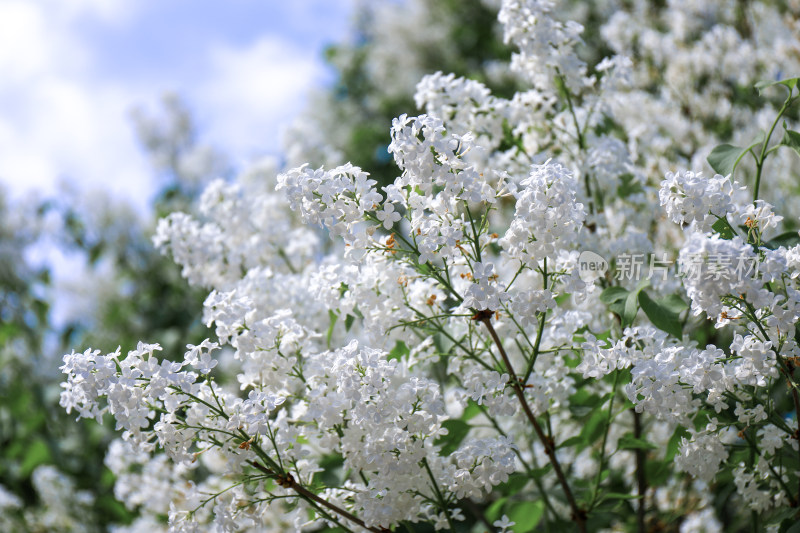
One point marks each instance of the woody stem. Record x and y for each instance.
(289, 482)
(578, 514)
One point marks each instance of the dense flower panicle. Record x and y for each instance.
(336, 199)
(546, 46)
(485, 388)
(241, 226)
(424, 152)
(714, 268)
(456, 101)
(749, 485)
(547, 216)
(691, 197)
(359, 403)
(703, 454)
(757, 363)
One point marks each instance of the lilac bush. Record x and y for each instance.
(436, 350)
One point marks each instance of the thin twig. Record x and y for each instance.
(288, 482)
(578, 514)
(641, 475)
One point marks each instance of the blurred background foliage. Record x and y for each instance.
(135, 293)
(377, 72)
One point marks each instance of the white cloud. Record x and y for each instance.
(250, 92)
(64, 114)
(32, 43)
(110, 11)
(56, 120)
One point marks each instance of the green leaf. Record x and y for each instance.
(572, 441)
(674, 442)
(494, 511)
(515, 483)
(8, 331)
(399, 351)
(674, 303)
(41, 308)
(594, 427)
(658, 472)
(794, 529)
(791, 139)
(613, 294)
(789, 83)
(628, 186)
(661, 316)
(778, 516)
(582, 403)
(788, 240)
(630, 309)
(35, 454)
(333, 317)
(526, 515)
(632, 305)
(541, 471)
(618, 496)
(614, 298)
(348, 322)
(331, 466)
(723, 158)
(629, 442)
(95, 252)
(723, 229)
(472, 410)
(456, 431)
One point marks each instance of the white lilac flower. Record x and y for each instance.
(546, 46)
(200, 356)
(388, 216)
(702, 455)
(504, 523)
(714, 268)
(691, 197)
(547, 216)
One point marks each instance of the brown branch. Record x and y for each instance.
(578, 514)
(289, 482)
(641, 475)
(790, 376)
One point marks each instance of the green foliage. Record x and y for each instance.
(787, 239)
(456, 432)
(664, 313)
(723, 228)
(628, 186)
(791, 139)
(526, 515)
(789, 83)
(362, 131)
(632, 303)
(629, 442)
(615, 299)
(149, 300)
(725, 157)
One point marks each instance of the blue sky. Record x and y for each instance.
(73, 69)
